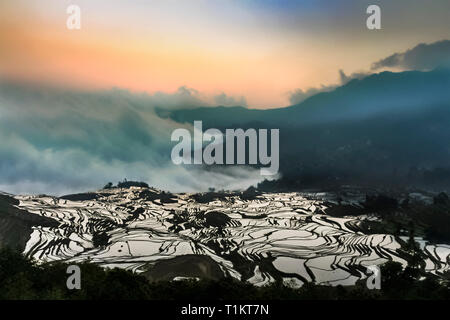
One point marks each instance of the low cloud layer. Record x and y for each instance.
(229, 101)
(58, 141)
(421, 57)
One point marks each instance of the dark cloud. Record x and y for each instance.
(421, 57)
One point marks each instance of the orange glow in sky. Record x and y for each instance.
(209, 46)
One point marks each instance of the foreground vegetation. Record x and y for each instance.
(22, 278)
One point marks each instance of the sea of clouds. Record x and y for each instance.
(59, 140)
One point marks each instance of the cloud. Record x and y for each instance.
(56, 141)
(229, 101)
(356, 75)
(421, 57)
(184, 97)
(298, 95)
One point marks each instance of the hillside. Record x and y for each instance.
(385, 129)
(292, 238)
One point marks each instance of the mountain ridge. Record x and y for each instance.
(373, 86)
(366, 132)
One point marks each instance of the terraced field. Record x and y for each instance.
(261, 238)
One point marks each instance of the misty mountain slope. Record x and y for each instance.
(374, 130)
(386, 92)
(273, 236)
(380, 94)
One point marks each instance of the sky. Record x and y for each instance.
(256, 53)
